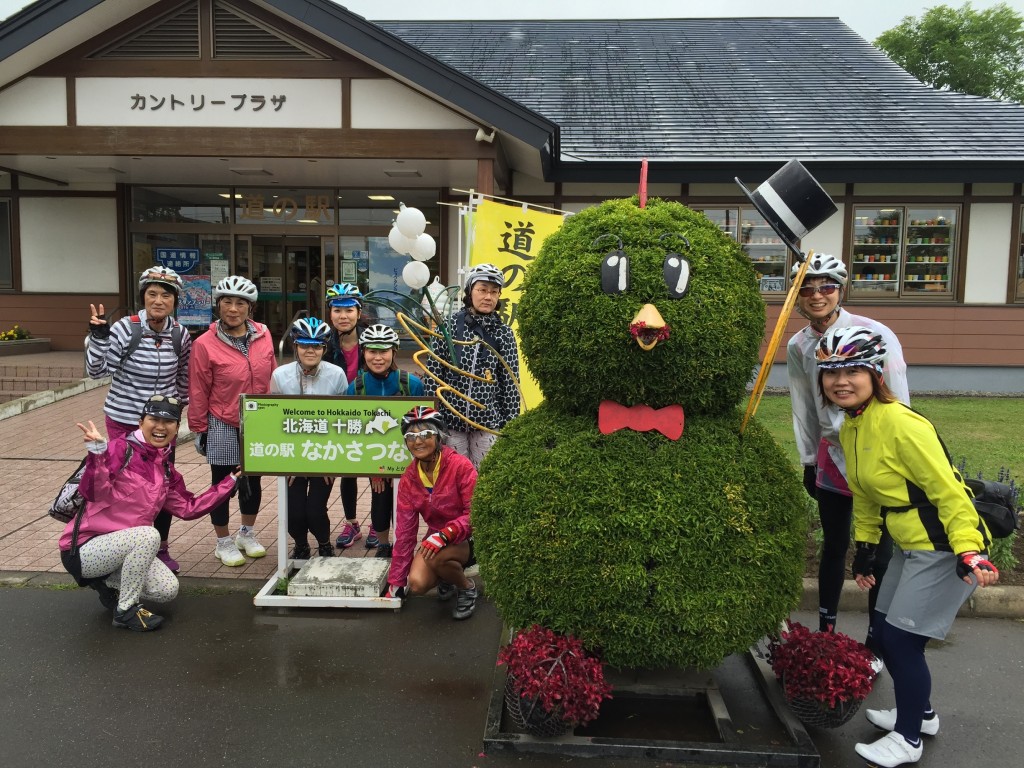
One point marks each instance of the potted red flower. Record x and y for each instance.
(553, 682)
(824, 675)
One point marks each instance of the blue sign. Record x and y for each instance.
(178, 259)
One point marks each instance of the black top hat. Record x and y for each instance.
(792, 202)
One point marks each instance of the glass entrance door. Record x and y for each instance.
(288, 272)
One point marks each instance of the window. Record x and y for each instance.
(181, 205)
(1019, 283)
(768, 253)
(903, 251)
(6, 259)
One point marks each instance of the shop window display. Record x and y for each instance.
(903, 251)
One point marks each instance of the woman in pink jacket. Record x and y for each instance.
(437, 486)
(113, 546)
(235, 356)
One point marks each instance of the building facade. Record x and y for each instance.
(275, 139)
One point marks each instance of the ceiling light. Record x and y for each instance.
(308, 221)
(380, 198)
(402, 173)
(251, 172)
(228, 196)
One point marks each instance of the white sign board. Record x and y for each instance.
(213, 102)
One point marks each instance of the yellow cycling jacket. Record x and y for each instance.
(893, 460)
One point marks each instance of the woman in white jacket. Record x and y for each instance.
(309, 375)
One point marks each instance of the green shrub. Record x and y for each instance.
(656, 552)
(577, 339)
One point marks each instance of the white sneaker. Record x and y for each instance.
(886, 720)
(248, 544)
(890, 751)
(228, 554)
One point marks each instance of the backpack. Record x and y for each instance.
(135, 322)
(403, 384)
(69, 502)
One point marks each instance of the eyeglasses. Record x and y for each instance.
(415, 437)
(825, 290)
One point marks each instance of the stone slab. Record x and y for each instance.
(340, 577)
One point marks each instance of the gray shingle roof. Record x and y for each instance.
(712, 90)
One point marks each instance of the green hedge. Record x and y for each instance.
(657, 552)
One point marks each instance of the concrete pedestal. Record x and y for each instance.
(340, 577)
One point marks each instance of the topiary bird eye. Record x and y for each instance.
(614, 268)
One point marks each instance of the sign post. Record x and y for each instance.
(294, 435)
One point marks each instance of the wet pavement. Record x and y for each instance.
(226, 684)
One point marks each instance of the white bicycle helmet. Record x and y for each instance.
(849, 347)
(344, 295)
(161, 276)
(823, 265)
(423, 414)
(379, 336)
(310, 330)
(238, 286)
(487, 272)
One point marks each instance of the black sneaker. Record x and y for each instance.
(301, 552)
(465, 602)
(108, 595)
(445, 591)
(384, 550)
(325, 549)
(137, 619)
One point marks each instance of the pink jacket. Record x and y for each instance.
(219, 373)
(447, 505)
(117, 499)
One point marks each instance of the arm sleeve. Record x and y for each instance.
(406, 529)
(199, 389)
(183, 363)
(806, 428)
(465, 479)
(895, 368)
(928, 467)
(95, 482)
(275, 385)
(103, 355)
(181, 503)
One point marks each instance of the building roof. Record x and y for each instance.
(748, 92)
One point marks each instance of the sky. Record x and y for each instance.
(868, 18)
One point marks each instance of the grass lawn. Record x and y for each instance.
(985, 430)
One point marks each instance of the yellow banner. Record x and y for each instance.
(510, 238)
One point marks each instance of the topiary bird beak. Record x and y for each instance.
(648, 327)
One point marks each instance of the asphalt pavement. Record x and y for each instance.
(226, 684)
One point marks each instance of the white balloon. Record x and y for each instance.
(425, 248)
(411, 222)
(437, 292)
(416, 274)
(397, 241)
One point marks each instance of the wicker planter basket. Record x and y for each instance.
(816, 713)
(529, 715)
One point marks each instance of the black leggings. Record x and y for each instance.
(349, 492)
(382, 507)
(307, 509)
(836, 514)
(219, 514)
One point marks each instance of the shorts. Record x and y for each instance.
(921, 592)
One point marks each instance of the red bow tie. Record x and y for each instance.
(640, 418)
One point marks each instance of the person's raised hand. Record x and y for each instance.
(92, 434)
(98, 316)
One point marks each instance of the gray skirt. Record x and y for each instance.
(921, 592)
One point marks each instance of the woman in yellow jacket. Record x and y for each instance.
(902, 481)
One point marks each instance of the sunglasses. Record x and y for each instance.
(165, 399)
(415, 437)
(825, 290)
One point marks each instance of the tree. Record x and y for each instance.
(980, 52)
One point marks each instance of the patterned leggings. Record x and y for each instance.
(128, 560)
